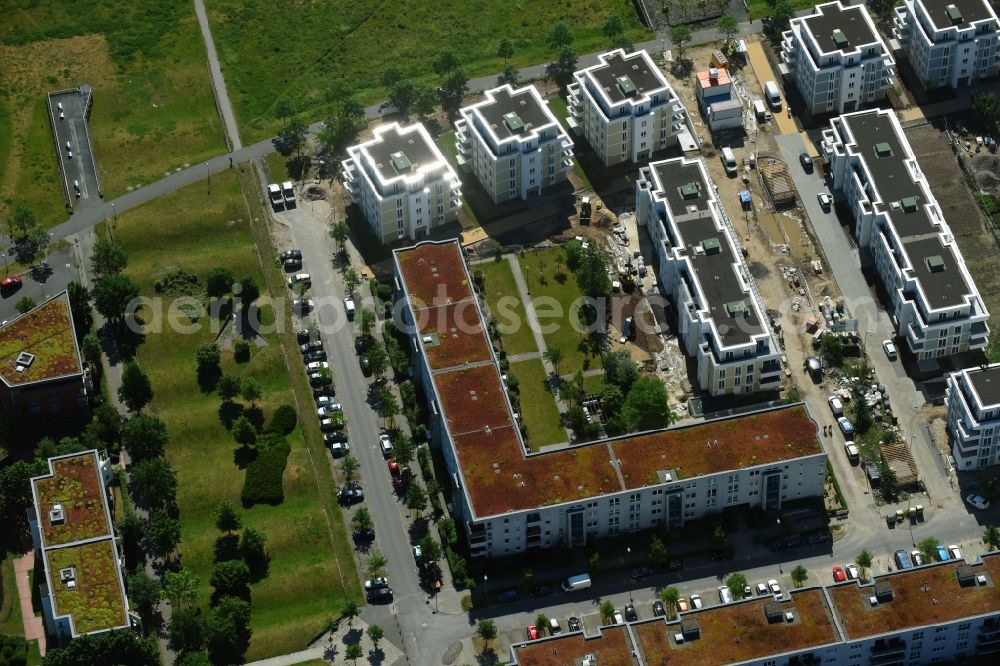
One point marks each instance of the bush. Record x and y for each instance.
(384, 291)
(14, 651)
(241, 351)
(262, 484)
(283, 421)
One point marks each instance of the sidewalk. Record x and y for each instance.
(34, 627)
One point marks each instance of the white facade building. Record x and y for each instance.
(721, 319)
(933, 300)
(837, 59)
(513, 143)
(511, 500)
(973, 399)
(625, 108)
(948, 42)
(402, 182)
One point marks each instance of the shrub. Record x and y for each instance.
(262, 483)
(384, 291)
(241, 351)
(283, 421)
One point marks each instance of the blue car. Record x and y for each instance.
(942, 553)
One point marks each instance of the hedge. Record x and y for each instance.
(262, 483)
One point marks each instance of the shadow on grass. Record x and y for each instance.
(229, 412)
(208, 378)
(226, 548)
(243, 456)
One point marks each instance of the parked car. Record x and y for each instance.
(747, 592)
(890, 349)
(417, 553)
(377, 582)
(508, 596)
(327, 425)
(641, 572)
(618, 618)
(292, 264)
(366, 365)
(630, 614)
(846, 427)
(336, 437)
(554, 627)
(351, 494)
(942, 553)
(318, 379)
(302, 335)
(573, 624)
(532, 632)
(806, 162)
(978, 501)
(290, 254)
(312, 345)
(918, 558)
(659, 610)
(324, 399)
(955, 553)
(824, 200)
(379, 596)
(838, 574)
(313, 356)
(852, 572)
(836, 406)
(762, 589)
(385, 443)
(696, 601)
(303, 305)
(541, 591)
(338, 449)
(365, 535)
(725, 594)
(361, 344)
(326, 410)
(10, 284)
(675, 565)
(316, 366)
(775, 589)
(682, 604)
(303, 278)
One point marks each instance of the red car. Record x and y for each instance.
(838, 575)
(10, 284)
(532, 632)
(393, 467)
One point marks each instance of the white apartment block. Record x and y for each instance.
(403, 184)
(721, 318)
(513, 144)
(973, 399)
(948, 42)
(933, 301)
(511, 500)
(625, 108)
(837, 59)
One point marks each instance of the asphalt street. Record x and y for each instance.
(42, 283)
(81, 168)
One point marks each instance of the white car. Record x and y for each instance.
(325, 401)
(978, 501)
(300, 277)
(316, 366)
(725, 595)
(918, 558)
(852, 572)
(890, 349)
(775, 588)
(824, 200)
(338, 449)
(955, 553)
(836, 406)
(328, 409)
(762, 590)
(385, 444)
(696, 601)
(619, 619)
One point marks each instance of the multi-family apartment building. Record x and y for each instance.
(948, 42)
(42, 377)
(837, 59)
(402, 182)
(83, 591)
(947, 612)
(513, 143)
(899, 226)
(973, 400)
(510, 500)
(721, 320)
(625, 108)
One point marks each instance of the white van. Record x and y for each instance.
(725, 595)
(729, 161)
(773, 95)
(852, 451)
(578, 582)
(760, 110)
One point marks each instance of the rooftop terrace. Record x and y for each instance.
(47, 334)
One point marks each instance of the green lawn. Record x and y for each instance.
(314, 51)
(193, 230)
(153, 107)
(538, 405)
(10, 608)
(446, 142)
(540, 268)
(561, 111)
(759, 8)
(592, 384)
(499, 284)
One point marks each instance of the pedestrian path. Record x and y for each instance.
(34, 627)
(218, 80)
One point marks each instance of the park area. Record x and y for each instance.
(185, 234)
(153, 107)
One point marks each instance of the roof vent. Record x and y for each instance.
(840, 39)
(713, 74)
(909, 204)
(954, 14)
(400, 162)
(736, 309)
(895, 205)
(690, 190)
(883, 149)
(513, 122)
(883, 590)
(24, 361)
(588, 660)
(67, 576)
(57, 515)
(626, 86)
(935, 264)
(711, 246)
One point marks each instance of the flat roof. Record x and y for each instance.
(612, 647)
(530, 112)
(500, 477)
(74, 525)
(638, 68)
(398, 151)
(721, 79)
(715, 268)
(740, 632)
(921, 596)
(970, 11)
(46, 333)
(986, 382)
(851, 24)
(879, 142)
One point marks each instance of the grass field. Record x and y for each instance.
(315, 50)
(759, 8)
(10, 608)
(153, 106)
(446, 142)
(499, 282)
(540, 268)
(192, 230)
(561, 111)
(538, 405)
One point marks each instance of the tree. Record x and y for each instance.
(427, 100)
(163, 534)
(340, 232)
(392, 74)
(402, 449)
(621, 41)
(22, 220)
(388, 406)
(657, 552)
(199, 658)
(251, 391)
(181, 588)
(366, 321)
(108, 258)
(123, 646)
(670, 596)
(348, 467)
(991, 537)
(351, 280)
(113, 294)
(227, 518)
(219, 282)
(612, 400)
(253, 547)
(291, 138)
(229, 387)
(79, 305)
(452, 91)
(542, 622)
(505, 49)
(403, 95)
(781, 13)
(620, 369)
(987, 107)
(486, 630)
(375, 634)
(554, 356)
(832, 348)
(560, 36)
(135, 390)
(728, 26)
(91, 349)
(607, 610)
(25, 304)
(243, 431)
(447, 530)
(186, 631)
(680, 35)
(737, 584)
(446, 61)
(154, 483)
(284, 109)
(561, 70)
(378, 359)
(230, 577)
(416, 497)
(719, 539)
(592, 272)
(509, 76)
(799, 575)
(248, 292)
(350, 611)
(647, 406)
(430, 550)
(613, 25)
(376, 563)
(341, 127)
(131, 529)
(928, 548)
(227, 632)
(864, 562)
(144, 591)
(208, 356)
(354, 652)
(362, 519)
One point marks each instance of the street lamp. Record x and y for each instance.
(209, 171)
(486, 586)
(628, 550)
(779, 557)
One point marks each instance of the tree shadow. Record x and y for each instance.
(229, 412)
(208, 378)
(256, 416)
(226, 548)
(259, 567)
(41, 272)
(243, 594)
(376, 657)
(243, 456)
(352, 636)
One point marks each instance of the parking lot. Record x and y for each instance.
(68, 115)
